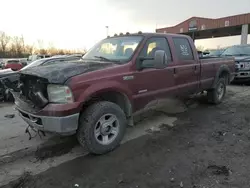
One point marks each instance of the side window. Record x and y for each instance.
(183, 48)
(156, 43)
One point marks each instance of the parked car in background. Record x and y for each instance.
(13, 64)
(215, 53)
(52, 60)
(241, 53)
(13, 77)
(202, 54)
(58, 55)
(95, 98)
(24, 62)
(32, 58)
(1, 64)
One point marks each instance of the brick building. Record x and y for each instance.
(201, 28)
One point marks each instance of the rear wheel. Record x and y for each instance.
(102, 127)
(217, 94)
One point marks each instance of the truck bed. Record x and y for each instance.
(207, 71)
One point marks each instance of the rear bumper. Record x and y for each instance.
(66, 125)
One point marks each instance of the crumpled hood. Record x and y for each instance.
(61, 72)
(6, 72)
(242, 58)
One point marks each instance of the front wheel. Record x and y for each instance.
(102, 127)
(217, 94)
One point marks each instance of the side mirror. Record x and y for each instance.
(160, 59)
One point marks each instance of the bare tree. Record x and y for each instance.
(16, 47)
(42, 51)
(40, 44)
(29, 49)
(4, 41)
(52, 50)
(18, 43)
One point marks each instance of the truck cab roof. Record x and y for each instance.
(150, 35)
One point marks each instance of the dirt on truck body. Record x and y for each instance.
(95, 98)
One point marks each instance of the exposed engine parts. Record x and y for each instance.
(37, 132)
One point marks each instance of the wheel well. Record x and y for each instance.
(225, 74)
(112, 96)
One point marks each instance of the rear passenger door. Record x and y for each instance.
(187, 69)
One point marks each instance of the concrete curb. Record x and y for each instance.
(55, 146)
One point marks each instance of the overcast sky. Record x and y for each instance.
(81, 23)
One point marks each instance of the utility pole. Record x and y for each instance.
(107, 28)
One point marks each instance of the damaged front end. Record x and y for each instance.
(31, 93)
(45, 106)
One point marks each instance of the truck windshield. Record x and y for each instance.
(216, 52)
(237, 51)
(117, 49)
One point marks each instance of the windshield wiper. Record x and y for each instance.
(102, 58)
(106, 59)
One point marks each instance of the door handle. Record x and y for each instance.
(195, 67)
(175, 71)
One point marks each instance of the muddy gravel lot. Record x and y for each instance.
(208, 147)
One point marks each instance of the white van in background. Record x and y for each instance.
(36, 57)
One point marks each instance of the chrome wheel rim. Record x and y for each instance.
(106, 129)
(220, 90)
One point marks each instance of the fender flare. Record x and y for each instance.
(223, 68)
(110, 86)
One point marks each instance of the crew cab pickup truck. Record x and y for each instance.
(95, 98)
(241, 53)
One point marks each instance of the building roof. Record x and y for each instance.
(200, 23)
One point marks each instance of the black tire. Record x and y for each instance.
(87, 126)
(213, 95)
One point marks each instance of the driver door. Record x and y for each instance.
(151, 84)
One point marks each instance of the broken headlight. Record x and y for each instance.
(59, 94)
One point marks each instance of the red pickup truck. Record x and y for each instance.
(95, 98)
